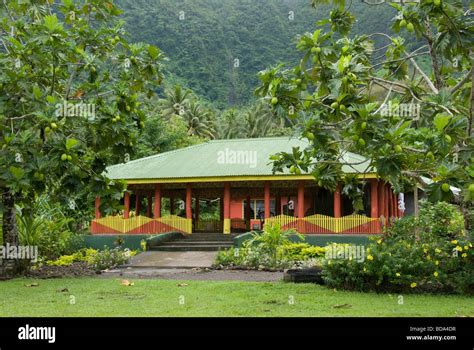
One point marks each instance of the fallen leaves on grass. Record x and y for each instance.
(342, 306)
(32, 285)
(127, 283)
(62, 290)
(182, 284)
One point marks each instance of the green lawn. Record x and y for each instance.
(107, 297)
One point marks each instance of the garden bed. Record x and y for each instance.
(76, 269)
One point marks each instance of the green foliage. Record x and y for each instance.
(109, 258)
(44, 225)
(163, 135)
(271, 239)
(421, 125)
(97, 259)
(258, 120)
(71, 54)
(63, 260)
(415, 255)
(210, 35)
(302, 251)
(87, 255)
(271, 249)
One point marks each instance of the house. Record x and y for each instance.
(228, 186)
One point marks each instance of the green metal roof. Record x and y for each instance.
(219, 158)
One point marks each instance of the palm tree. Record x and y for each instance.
(230, 125)
(258, 121)
(198, 121)
(175, 103)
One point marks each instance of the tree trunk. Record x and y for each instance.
(10, 232)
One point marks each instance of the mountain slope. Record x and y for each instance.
(217, 46)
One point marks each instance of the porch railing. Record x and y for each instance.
(141, 224)
(358, 224)
(327, 224)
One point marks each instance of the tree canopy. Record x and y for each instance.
(71, 94)
(352, 93)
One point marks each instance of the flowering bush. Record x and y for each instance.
(413, 255)
(301, 251)
(287, 255)
(109, 258)
(85, 255)
(64, 260)
(97, 259)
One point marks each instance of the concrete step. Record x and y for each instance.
(206, 238)
(192, 247)
(209, 239)
(186, 242)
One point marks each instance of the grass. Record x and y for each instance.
(107, 297)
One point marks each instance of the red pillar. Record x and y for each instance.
(226, 209)
(97, 207)
(380, 199)
(247, 213)
(387, 202)
(374, 209)
(266, 198)
(126, 205)
(337, 201)
(189, 199)
(374, 227)
(138, 205)
(395, 205)
(157, 206)
(301, 225)
(390, 193)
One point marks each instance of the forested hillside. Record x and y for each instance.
(216, 47)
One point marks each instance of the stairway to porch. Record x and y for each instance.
(197, 242)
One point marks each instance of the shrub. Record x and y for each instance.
(293, 251)
(84, 255)
(64, 260)
(53, 237)
(313, 252)
(269, 242)
(230, 257)
(301, 252)
(109, 258)
(99, 260)
(413, 255)
(255, 256)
